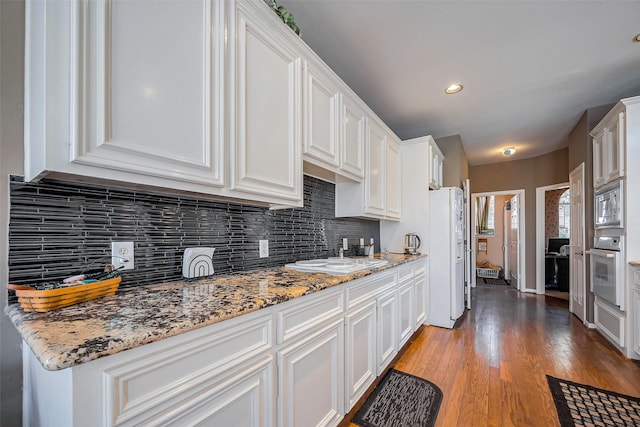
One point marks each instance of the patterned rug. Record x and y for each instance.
(583, 405)
(401, 400)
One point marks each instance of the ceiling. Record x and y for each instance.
(529, 68)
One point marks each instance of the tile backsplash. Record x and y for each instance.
(60, 229)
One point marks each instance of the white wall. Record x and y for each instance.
(11, 160)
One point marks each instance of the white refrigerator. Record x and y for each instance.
(446, 256)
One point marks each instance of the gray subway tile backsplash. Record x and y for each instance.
(59, 229)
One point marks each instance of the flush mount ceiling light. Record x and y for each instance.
(454, 88)
(636, 38)
(509, 151)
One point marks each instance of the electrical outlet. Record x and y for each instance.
(122, 255)
(264, 248)
(345, 244)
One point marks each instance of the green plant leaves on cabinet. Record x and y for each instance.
(287, 17)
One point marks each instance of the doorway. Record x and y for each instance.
(552, 222)
(498, 230)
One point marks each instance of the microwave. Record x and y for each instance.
(608, 207)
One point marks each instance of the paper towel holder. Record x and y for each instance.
(197, 262)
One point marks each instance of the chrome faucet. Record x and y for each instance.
(341, 253)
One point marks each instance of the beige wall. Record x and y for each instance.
(526, 174)
(455, 164)
(11, 160)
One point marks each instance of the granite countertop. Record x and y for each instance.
(635, 263)
(135, 317)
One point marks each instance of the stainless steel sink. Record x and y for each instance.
(337, 266)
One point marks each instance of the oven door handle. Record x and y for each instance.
(601, 254)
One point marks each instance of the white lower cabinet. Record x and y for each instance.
(636, 321)
(387, 330)
(635, 309)
(360, 352)
(406, 319)
(305, 362)
(421, 294)
(311, 375)
(310, 360)
(610, 321)
(243, 399)
(214, 373)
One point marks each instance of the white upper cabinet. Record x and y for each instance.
(122, 86)
(353, 128)
(375, 156)
(265, 105)
(218, 98)
(322, 117)
(379, 196)
(609, 147)
(436, 159)
(333, 123)
(394, 178)
(169, 94)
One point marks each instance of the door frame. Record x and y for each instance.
(522, 264)
(540, 228)
(506, 227)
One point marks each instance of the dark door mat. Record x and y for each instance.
(583, 405)
(498, 281)
(401, 400)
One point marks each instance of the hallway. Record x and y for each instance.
(492, 368)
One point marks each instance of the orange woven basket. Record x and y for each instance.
(46, 300)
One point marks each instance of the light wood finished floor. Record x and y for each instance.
(492, 368)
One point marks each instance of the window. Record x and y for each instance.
(564, 214)
(485, 215)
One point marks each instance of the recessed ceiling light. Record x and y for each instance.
(509, 151)
(636, 38)
(454, 88)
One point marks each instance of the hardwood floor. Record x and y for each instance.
(492, 368)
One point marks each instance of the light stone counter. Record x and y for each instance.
(138, 316)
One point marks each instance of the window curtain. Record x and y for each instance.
(482, 214)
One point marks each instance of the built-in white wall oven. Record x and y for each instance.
(608, 206)
(607, 273)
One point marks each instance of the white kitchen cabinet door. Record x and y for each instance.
(599, 159)
(244, 399)
(322, 120)
(421, 294)
(609, 147)
(634, 315)
(360, 352)
(393, 179)
(375, 183)
(436, 159)
(125, 86)
(387, 329)
(380, 194)
(353, 138)
(615, 148)
(311, 379)
(406, 318)
(265, 106)
(635, 294)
